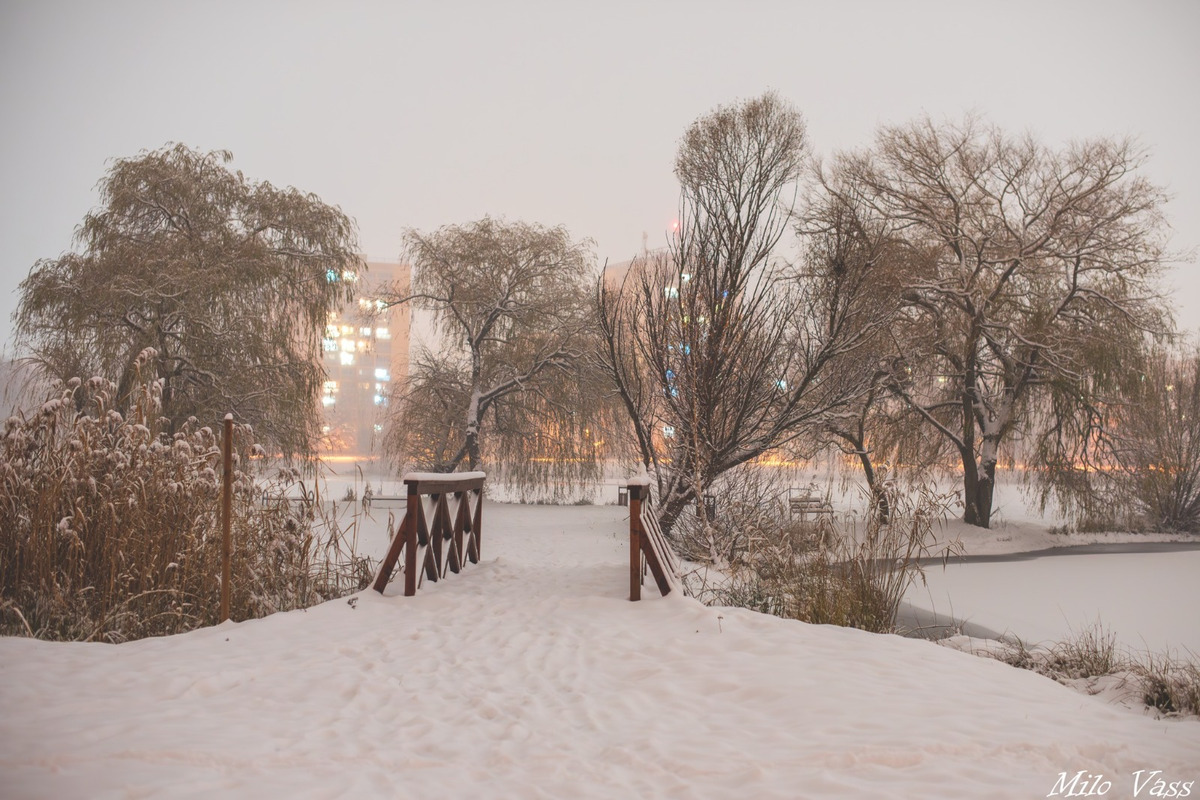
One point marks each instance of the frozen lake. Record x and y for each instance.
(1150, 600)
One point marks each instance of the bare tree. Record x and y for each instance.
(1156, 441)
(511, 305)
(228, 281)
(719, 349)
(1135, 457)
(843, 236)
(1028, 266)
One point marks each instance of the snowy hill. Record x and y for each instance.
(530, 675)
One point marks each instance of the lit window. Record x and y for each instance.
(781, 384)
(330, 387)
(381, 374)
(687, 276)
(331, 276)
(378, 399)
(332, 331)
(347, 330)
(327, 401)
(329, 345)
(669, 431)
(347, 345)
(382, 333)
(364, 331)
(379, 429)
(362, 344)
(347, 359)
(671, 291)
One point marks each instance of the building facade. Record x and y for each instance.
(365, 353)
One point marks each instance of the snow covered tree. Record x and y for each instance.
(719, 348)
(508, 384)
(1028, 267)
(229, 282)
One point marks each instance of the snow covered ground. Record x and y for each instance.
(530, 675)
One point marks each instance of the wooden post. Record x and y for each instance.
(635, 543)
(410, 540)
(227, 520)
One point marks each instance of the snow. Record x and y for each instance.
(443, 476)
(531, 675)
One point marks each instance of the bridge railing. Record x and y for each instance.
(648, 546)
(441, 529)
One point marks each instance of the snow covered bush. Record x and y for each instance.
(820, 571)
(111, 526)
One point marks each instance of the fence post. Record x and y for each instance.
(410, 539)
(227, 519)
(635, 543)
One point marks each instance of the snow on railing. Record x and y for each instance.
(647, 545)
(441, 527)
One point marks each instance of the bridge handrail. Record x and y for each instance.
(431, 547)
(648, 546)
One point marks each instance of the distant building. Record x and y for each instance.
(365, 353)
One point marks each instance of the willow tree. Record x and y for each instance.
(507, 385)
(225, 282)
(721, 350)
(1031, 268)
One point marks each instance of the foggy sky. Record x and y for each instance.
(411, 115)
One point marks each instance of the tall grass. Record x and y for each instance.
(1168, 682)
(110, 527)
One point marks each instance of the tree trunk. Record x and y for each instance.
(472, 445)
(672, 507)
(883, 510)
(979, 484)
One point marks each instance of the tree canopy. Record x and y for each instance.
(228, 281)
(1027, 271)
(720, 348)
(506, 385)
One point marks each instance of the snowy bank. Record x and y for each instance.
(530, 675)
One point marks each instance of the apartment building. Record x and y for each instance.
(365, 353)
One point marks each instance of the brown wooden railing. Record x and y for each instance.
(433, 536)
(648, 547)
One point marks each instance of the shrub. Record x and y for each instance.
(814, 572)
(111, 526)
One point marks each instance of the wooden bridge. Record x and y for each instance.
(442, 529)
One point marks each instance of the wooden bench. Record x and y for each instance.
(808, 503)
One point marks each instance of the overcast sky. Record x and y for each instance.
(423, 114)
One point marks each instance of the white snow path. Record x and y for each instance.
(531, 675)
